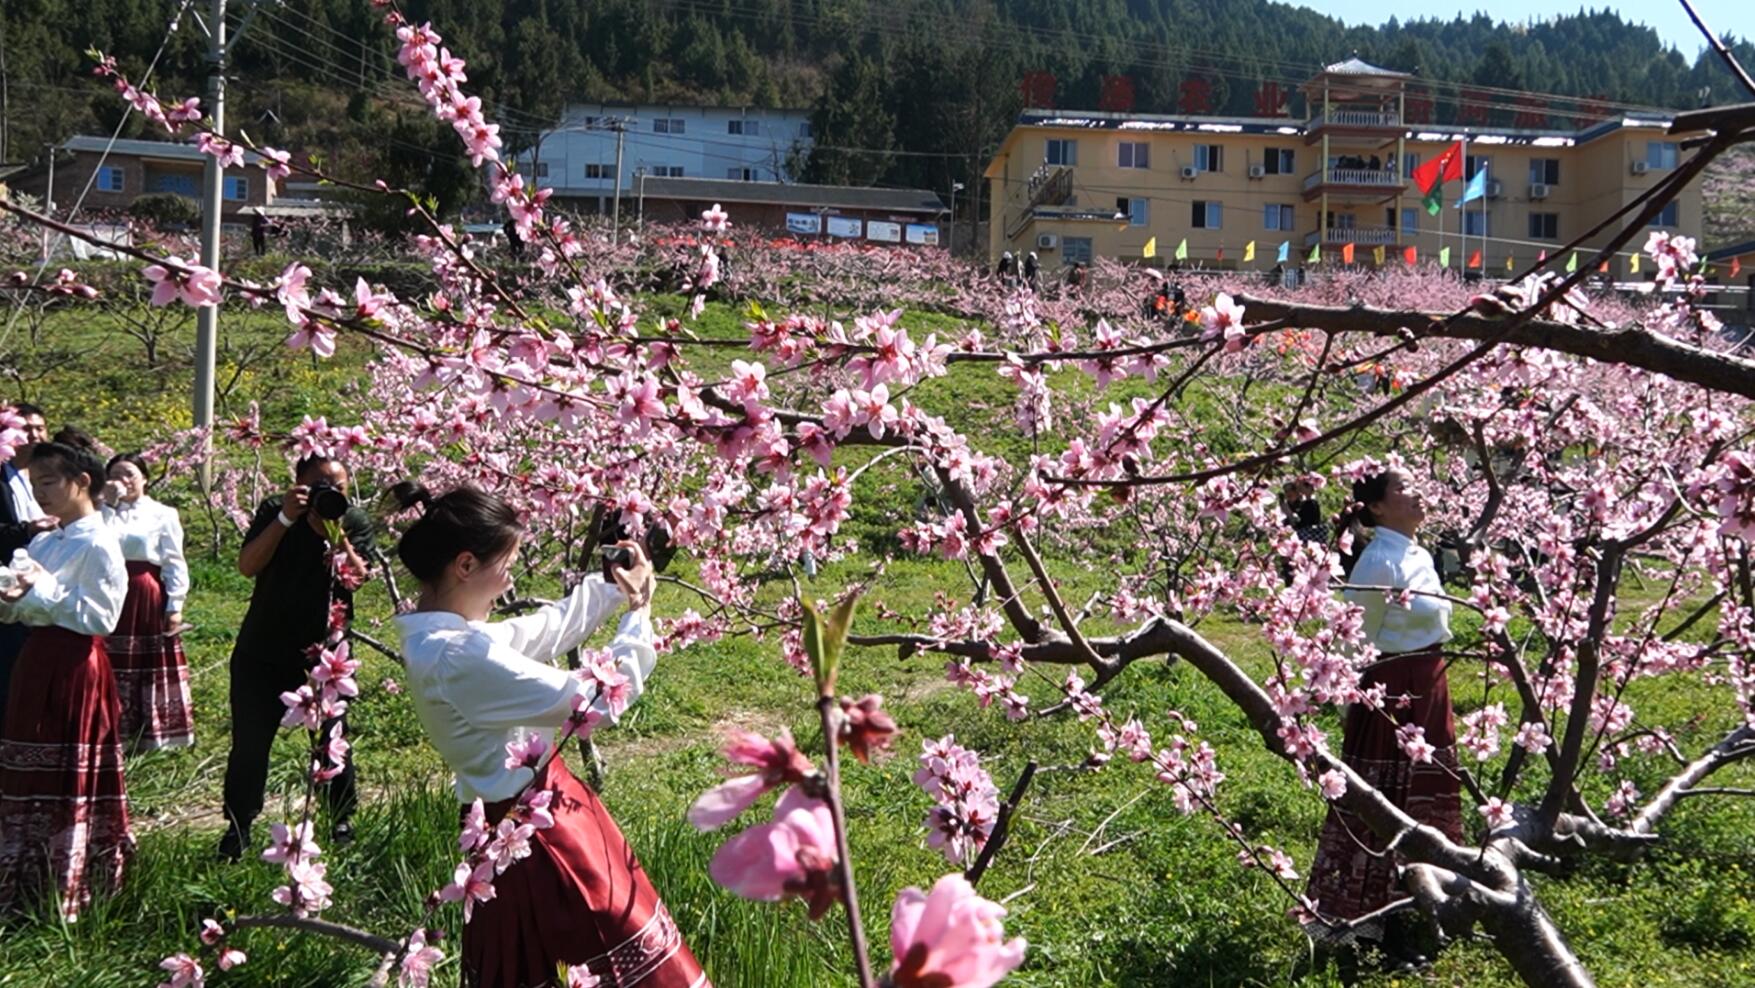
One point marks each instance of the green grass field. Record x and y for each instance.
(1110, 885)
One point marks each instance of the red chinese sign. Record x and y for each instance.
(1196, 95)
(1116, 95)
(1038, 88)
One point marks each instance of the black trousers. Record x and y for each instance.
(260, 673)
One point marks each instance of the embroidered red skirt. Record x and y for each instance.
(1351, 875)
(581, 898)
(152, 676)
(63, 803)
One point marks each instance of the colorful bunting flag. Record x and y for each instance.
(1182, 250)
(1410, 255)
(1509, 267)
(1736, 266)
(1572, 263)
(1475, 258)
(1347, 254)
(1221, 252)
(1151, 248)
(1249, 252)
(1444, 258)
(1315, 254)
(1633, 264)
(1377, 256)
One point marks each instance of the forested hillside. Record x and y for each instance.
(905, 91)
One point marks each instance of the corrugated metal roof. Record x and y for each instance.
(784, 194)
(130, 147)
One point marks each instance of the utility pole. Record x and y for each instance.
(212, 201)
(641, 201)
(951, 236)
(615, 223)
(49, 200)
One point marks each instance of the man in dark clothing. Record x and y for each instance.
(20, 521)
(514, 243)
(259, 234)
(288, 555)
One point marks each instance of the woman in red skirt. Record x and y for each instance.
(581, 899)
(1405, 745)
(63, 805)
(152, 676)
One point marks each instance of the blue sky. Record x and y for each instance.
(1671, 21)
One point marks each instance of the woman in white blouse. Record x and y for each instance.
(152, 674)
(64, 818)
(1401, 737)
(581, 899)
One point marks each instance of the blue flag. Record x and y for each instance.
(1477, 188)
(1285, 249)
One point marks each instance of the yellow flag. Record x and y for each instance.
(1633, 264)
(1151, 248)
(1508, 264)
(1377, 255)
(1249, 251)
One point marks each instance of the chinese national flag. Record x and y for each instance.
(1410, 255)
(1475, 259)
(1347, 254)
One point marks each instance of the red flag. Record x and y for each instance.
(1603, 268)
(1221, 254)
(1736, 266)
(1410, 255)
(1447, 167)
(1542, 259)
(1475, 259)
(1347, 254)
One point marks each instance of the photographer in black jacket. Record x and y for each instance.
(286, 551)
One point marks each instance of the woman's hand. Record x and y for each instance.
(637, 579)
(174, 623)
(25, 581)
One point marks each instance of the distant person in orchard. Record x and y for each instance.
(64, 809)
(1407, 713)
(259, 233)
(21, 519)
(288, 552)
(152, 675)
(483, 691)
(1032, 271)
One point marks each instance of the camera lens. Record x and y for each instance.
(328, 501)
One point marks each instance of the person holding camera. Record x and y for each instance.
(152, 674)
(483, 689)
(288, 553)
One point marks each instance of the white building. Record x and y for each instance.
(577, 159)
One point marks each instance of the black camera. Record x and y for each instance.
(610, 532)
(328, 501)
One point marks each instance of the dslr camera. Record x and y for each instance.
(610, 531)
(328, 501)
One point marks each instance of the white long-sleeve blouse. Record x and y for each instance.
(477, 685)
(82, 584)
(1393, 560)
(151, 532)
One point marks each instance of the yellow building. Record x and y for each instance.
(1074, 185)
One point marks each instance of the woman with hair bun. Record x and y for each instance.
(64, 819)
(581, 900)
(152, 675)
(1407, 714)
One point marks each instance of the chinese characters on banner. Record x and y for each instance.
(1038, 88)
(1116, 95)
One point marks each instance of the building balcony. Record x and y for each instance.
(1340, 118)
(1369, 181)
(1364, 236)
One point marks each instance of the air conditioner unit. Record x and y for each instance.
(1047, 241)
(1538, 190)
(1257, 171)
(1640, 168)
(1495, 188)
(1189, 172)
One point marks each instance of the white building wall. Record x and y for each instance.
(578, 157)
